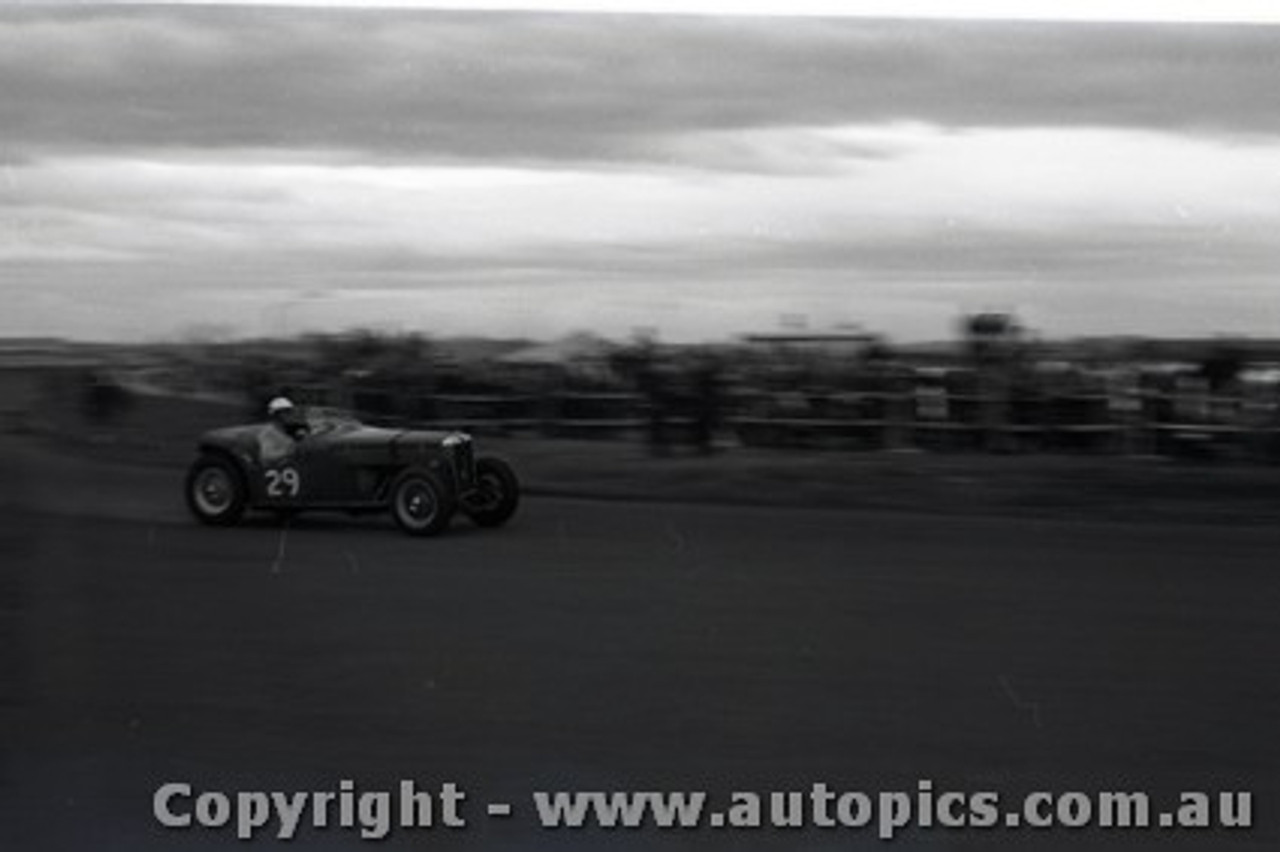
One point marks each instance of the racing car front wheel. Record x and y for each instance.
(497, 493)
(420, 503)
(216, 493)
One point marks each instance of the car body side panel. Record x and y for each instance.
(349, 466)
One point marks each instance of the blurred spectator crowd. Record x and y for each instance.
(995, 389)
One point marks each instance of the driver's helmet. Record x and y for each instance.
(279, 408)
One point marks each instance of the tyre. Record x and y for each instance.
(497, 493)
(215, 490)
(421, 503)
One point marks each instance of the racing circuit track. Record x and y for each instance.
(607, 645)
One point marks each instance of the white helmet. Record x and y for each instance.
(279, 405)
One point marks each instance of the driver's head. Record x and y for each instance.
(280, 410)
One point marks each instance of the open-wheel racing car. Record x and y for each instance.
(323, 459)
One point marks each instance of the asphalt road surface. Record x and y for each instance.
(604, 646)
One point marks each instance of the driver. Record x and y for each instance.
(286, 426)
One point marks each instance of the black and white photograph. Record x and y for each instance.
(572, 425)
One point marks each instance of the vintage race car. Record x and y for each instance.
(327, 460)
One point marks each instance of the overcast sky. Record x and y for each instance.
(168, 170)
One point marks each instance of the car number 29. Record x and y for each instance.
(284, 482)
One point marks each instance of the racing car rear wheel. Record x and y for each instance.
(216, 493)
(497, 493)
(420, 503)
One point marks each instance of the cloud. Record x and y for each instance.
(950, 221)
(1028, 184)
(423, 85)
(164, 164)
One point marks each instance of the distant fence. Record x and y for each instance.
(1137, 422)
